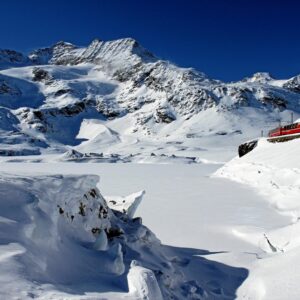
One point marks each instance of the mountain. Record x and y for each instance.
(136, 103)
(9, 58)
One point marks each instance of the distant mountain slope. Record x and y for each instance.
(146, 101)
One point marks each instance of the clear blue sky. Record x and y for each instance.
(226, 39)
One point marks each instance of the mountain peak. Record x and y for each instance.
(260, 77)
(124, 48)
(63, 44)
(45, 55)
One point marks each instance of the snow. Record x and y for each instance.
(127, 204)
(297, 121)
(43, 239)
(248, 223)
(142, 282)
(273, 170)
(172, 190)
(204, 224)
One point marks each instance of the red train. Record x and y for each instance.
(285, 130)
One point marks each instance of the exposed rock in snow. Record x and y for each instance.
(261, 77)
(293, 84)
(41, 75)
(72, 154)
(164, 115)
(60, 51)
(246, 147)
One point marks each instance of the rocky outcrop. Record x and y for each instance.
(259, 77)
(246, 147)
(41, 75)
(60, 53)
(164, 115)
(293, 84)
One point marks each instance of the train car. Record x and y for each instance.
(286, 130)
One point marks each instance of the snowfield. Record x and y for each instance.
(179, 215)
(274, 171)
(60, 239)
(223, 237)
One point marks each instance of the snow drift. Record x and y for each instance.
(60, 239)
(273, 169)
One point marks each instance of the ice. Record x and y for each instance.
(127, 204)
(142, 283)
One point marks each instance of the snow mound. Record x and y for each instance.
(273, 169)
(60, 240)
(127, 204)
(142, 283)
(96, 134)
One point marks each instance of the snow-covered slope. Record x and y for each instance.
(274, 170)
(149, 104)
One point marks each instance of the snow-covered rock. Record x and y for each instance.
(142, 283)
(59, 240)
(260, 77)
(60, 50)
(127, 204)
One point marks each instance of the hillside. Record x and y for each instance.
(136, 104)
(274, 171)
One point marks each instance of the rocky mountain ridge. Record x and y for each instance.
(52, 90)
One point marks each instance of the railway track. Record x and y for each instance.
(249, 146)
(283, 138)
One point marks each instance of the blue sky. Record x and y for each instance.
(227, 39)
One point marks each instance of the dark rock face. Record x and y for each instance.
(62, 92)
(107, 109)
(57, 53)
(41, 75)
(43, 120)
(163, 115)
(293, 84)
(274, 101)
(246, 147)
(72, 110)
